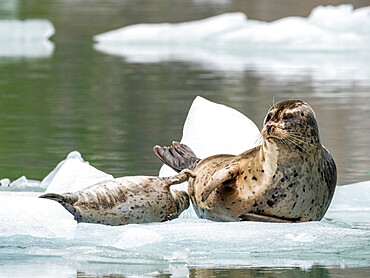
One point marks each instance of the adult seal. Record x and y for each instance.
(291, 177)
(127, 200)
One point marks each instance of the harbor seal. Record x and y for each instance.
(127, 200)
(291, 177)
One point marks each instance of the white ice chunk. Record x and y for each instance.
(35, 217)
(207, 132)
(5, 182)
(28, 38)
(73, 174)
(208, 127)
(352, 197)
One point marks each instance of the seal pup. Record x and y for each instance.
(127, 200)
(291, 177)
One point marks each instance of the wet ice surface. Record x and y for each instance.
(38, 232)
(26, 38)
(341, 239)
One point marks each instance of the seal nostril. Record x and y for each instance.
(269, 128)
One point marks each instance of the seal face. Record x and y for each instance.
(127, 200)
(290, 177)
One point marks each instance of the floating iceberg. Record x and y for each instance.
(333, 42)
(327, 28)
(27, 38)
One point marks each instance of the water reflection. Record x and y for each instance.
(316, 271)
(26, 39)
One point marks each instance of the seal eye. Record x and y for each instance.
(287, 116)
(268, 117)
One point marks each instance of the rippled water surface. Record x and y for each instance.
(114, 109)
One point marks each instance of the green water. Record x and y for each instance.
(113, 111)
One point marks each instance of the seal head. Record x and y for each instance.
(292, 125)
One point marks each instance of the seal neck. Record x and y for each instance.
(274, 152)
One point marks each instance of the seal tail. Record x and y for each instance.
(66, 200)
(178, 156)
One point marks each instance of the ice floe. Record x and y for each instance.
(333, 41)
(327, 28)
(26, 38)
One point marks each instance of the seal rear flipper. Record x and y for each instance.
(178, 156)
(220, 177)
(66, 200)
(263, 218)
(69, 198)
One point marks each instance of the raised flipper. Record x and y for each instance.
(263, 218)
(178, 156)
(219, 177)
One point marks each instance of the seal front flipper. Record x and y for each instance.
(263, 218)
(219, 177)
(181, 177)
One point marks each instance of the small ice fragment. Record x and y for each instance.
(23, 183)
(4, 182)
(73, 174)
(35, 217)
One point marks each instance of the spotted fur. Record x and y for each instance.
(127, 200)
